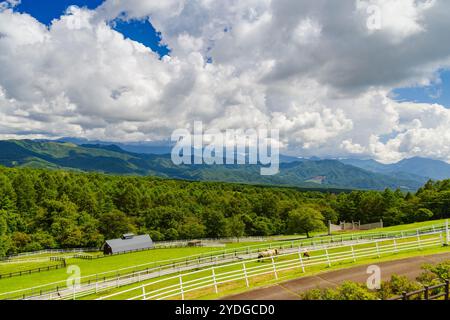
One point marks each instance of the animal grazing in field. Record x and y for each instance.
(267, 254)
(306, 254)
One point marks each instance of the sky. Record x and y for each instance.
(353, 78)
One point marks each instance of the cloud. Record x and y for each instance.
(315, 70)
(8, 4)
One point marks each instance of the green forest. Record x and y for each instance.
(42, 208)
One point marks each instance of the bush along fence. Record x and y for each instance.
(436, 292)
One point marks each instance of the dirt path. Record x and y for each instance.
(291, 290)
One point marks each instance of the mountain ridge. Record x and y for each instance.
(417, 166)
(113, 159)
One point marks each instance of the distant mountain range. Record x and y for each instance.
(433, 169)
(114, 159)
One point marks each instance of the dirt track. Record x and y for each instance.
(290, 290)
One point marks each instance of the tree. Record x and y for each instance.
(235, 227)
(263, 226)
(25, 192)
(215, 224)
(7, 193)
(192, 228)
(329, 214)
(305, 220)
(115, 223)
(3, 223)
(422, 215)
(20, 240)
(5, 245)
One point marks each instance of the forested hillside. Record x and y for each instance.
(51, 208)
(112, 159)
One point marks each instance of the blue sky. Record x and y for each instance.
(47, 10)
(437, 93)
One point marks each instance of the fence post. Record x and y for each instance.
(328, 257)
(404, 295)
(353, 254)
(427, 293)
(214, 280)
(418, 242)
(447, 233)
(378, 249)
(181, 287)
(96, 287)
(274, 269)
(301, 259)
(144, 295)
(447, 286)
(395, 246)
(245, 275)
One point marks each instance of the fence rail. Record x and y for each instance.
(48, 251)
(30, 271)
(180, 285)
(436, 292)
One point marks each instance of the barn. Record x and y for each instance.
(128, 242)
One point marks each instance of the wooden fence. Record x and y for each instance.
(436, 292)
(34, 270)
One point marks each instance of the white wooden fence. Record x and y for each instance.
(143, 272)
(188, 282)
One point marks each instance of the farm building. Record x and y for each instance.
(128, 242)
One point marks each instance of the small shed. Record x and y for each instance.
(128, 242)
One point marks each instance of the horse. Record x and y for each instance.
(267, 254)
(306, 254)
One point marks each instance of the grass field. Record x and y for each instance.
(403, 227)
(141, 260)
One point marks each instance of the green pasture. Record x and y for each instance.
(139, 261)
